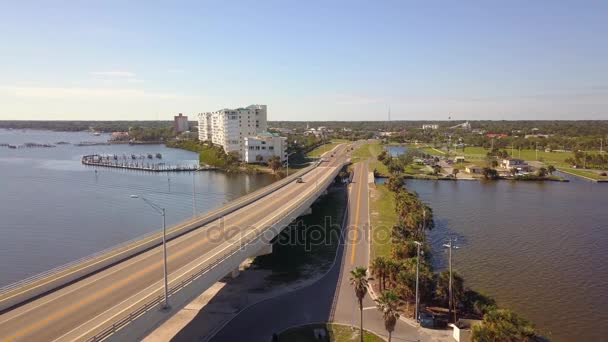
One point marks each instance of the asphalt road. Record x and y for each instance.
(332, 298)
(68, 313)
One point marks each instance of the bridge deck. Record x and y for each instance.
(70, 312)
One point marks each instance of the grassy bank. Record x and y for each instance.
(335, 332)
(382, 218)
(208, 154)
(308, 244)
(590, 174)
(317, 152)
(371, 150)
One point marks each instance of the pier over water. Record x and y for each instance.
(134, 162)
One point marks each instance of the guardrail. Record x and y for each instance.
(44, 282)
(213, 262)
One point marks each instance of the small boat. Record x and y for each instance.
(12, 146)
(96, 134)
(133, 156)
(150, 156)
(159, 156)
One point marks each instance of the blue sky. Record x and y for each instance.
(307, 60)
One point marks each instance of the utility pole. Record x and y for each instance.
(193, 195)
(417, 277)
(450, 301)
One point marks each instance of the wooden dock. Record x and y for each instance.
(137, 165)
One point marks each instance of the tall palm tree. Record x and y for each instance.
(379, 270)
(360, 281)
(388, 304)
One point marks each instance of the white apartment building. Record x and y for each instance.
(263, 146)
(229, 127)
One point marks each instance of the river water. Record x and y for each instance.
(540, 248)
(54, 210)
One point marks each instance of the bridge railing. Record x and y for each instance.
(213, 261)
(153, 239)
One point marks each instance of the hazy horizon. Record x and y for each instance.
(322, 61)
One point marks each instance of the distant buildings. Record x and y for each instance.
(118, 136)
(430, 127)
(518, 164)
(496, 135)
(180, 123)
(264, 146)
(319, 132)
(474, 169)
(230, 128)
(528, 136)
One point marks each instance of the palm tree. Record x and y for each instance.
(388, 304)
(379, 270)
(360, 281)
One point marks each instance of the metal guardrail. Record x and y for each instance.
(116, 326)
(271, 188)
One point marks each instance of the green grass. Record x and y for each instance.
(317, 152)
(297, 249)
(584, 173)
(431, 151)
(379, 167)
(382, 219)
(554, 158)
(336, 333)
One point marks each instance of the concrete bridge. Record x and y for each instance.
(117, 295)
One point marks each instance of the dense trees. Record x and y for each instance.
(489, 173)
(504, 325)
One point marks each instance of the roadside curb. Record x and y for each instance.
(379, 335)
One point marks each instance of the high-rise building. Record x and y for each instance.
(180, 123)
(229, 127)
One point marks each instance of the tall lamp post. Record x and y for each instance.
(450, 246)
(288, 162)
(417, 277)
(160, 211)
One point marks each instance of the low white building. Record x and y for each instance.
(263, 146)
(428, 126)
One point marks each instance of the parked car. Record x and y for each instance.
(299, 180)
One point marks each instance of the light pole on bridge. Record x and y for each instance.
(160, 211)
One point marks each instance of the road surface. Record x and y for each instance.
(331, 298)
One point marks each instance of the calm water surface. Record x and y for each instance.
(54, 210)
(538, 248)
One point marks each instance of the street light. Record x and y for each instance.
(417, 276)
(450, 246)
(161, 211)
(288, 162)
